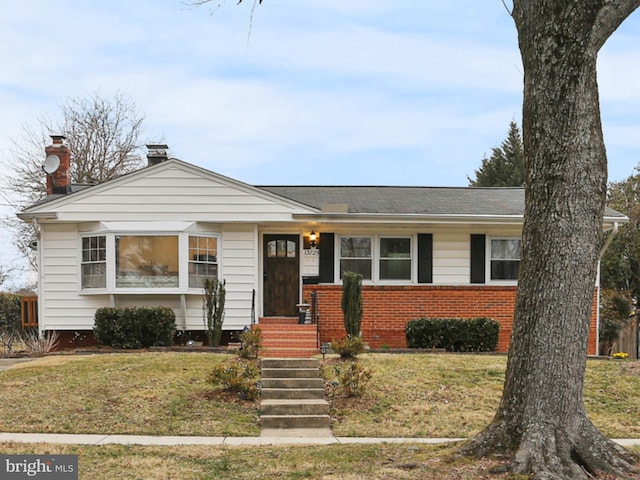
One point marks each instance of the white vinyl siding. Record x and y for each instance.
(174, 193)
(451, 259)
(60, 306)
(65, 306)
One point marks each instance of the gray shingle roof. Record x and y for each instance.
(410, 200)
(495, 201)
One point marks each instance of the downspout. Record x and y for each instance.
(606, 244)
(36, 228)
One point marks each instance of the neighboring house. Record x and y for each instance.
(151, 236)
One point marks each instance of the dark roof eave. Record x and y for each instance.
(608, 221)
(409, 218)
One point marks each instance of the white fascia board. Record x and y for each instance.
(410, 218)
(27, 217)
(145, 226)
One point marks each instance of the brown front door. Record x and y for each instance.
(281, 275)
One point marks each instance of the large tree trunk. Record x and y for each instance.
(541, 422)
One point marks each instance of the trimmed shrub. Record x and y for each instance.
(134, 327)
(453, 334)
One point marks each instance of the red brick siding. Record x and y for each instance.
(388, 308)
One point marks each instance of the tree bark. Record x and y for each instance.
(541, 421)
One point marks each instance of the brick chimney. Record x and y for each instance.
(157, 153)
(58, 181)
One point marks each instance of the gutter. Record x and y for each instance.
(29, 217)
(609, 239)
(606, 244)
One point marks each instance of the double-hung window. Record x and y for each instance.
(505, 259)
(93, 267)
(383, 258)
(203, 260)
(356, 256)
(395, 258)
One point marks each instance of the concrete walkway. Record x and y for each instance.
(6, 363)
(272, 438)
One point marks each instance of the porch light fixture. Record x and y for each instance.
(312, 239)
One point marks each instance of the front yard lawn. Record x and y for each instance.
(412, 395)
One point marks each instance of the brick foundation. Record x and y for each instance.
(388, 308)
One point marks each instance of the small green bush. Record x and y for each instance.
(10, 312)
(348, 347)
(346, 379)
(134, 327)
(453, 334)
(237, 375)
(251, 342)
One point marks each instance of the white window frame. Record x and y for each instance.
(411, 258)
(375, 258)
(490, 260)
(190, 261)
(371, 258)
(183, 262)
(105, 262)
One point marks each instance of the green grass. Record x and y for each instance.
(166, 394)
(345, 462)
(414, 395)
(142, 393)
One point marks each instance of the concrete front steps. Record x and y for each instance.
(283, 337)
(293, 395)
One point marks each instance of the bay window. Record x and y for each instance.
(147, 261)
(505, 259)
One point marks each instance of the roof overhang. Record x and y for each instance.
(407, 218)
(29, 217)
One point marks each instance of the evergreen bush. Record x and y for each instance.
(453, 334)
(10, 312)
(352, 303)
(134, 327)
(213, 308)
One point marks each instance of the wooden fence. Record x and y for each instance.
(29, 312)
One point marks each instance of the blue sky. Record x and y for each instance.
(404, 92)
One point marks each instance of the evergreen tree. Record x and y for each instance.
(505, 167)
(620, 264)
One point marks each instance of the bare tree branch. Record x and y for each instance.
(103, 134)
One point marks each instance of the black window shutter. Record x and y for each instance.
(478, 253)
(326, 247)
(425, 258)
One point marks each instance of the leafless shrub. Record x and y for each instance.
(39, 345)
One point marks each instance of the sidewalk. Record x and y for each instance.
(271, 438)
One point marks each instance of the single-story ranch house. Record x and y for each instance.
(150, 237)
